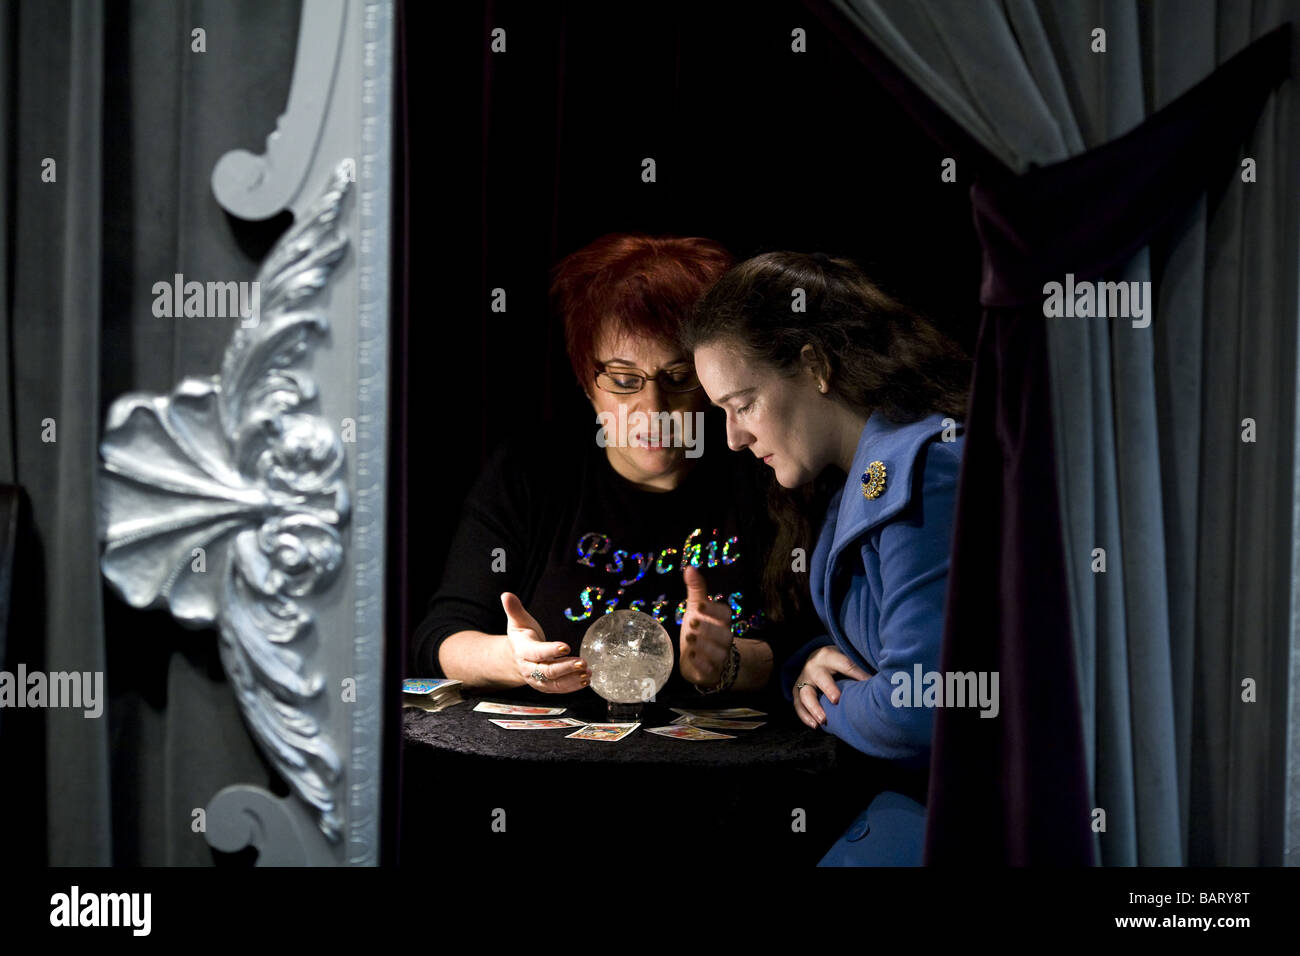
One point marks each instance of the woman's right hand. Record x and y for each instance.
(533, 654)
(817, 678)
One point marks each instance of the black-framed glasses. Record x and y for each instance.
(626, 381)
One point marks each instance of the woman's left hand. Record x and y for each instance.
(706, 639)
(818, 677)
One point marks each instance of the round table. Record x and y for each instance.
(782, 793)
(783, 741)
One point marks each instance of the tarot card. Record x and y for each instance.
(427, 685)
(430, 705)
(687, 732)
(713, 723)
(488, 707)
(553, 723)
(610, 732)
(726, 713)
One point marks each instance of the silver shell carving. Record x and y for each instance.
(237, 465)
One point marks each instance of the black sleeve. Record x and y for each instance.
(494, 516)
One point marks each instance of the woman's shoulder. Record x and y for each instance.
(526, 469)
(935, 440)
(538, 452)
(882, 432)
(897, 465)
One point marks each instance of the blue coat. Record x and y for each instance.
(879, 576)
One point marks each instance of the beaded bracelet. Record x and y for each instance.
(729, 673)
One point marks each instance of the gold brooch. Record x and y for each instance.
(873, 480)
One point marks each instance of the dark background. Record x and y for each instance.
(517, 159)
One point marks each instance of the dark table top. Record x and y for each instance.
(782, 743)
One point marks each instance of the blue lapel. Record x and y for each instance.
(853, 514)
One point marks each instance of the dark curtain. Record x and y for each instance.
(134, 121)
(1019, 789)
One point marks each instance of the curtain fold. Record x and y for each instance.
(54, 237)
(1007, 789)
(1103, 159)
(134, 120)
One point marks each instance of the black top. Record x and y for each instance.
(555, 524)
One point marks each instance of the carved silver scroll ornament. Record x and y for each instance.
(232, 475)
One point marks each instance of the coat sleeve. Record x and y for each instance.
(913, 549)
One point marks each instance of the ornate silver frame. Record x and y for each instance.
(256, 469)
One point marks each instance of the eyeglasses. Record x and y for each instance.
(625, 381)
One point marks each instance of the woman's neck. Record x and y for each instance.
(849, 426)
(669, 481)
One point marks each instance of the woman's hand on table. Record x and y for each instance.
(817, 678)
(533, 654)
(705, 640)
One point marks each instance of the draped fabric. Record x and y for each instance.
(51, 287)
(133, 120)
(1136, 571)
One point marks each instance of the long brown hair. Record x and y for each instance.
(879, 355)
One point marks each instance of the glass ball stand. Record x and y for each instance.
(625, 713)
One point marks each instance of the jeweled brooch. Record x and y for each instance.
(873, 480)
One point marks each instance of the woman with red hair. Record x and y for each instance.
(637, 514)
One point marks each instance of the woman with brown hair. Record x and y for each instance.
(855, 402)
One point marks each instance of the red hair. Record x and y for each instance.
(643, 285)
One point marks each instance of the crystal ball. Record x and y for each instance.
(630, 656)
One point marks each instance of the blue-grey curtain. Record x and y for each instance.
(53, 68)
(134, 119)
(1147, 422)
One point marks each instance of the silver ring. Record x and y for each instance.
(537, 675)
(802, 684)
